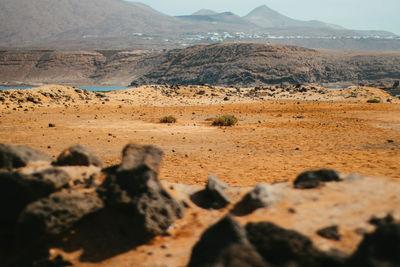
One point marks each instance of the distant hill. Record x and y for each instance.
(27, 21)
(226, 21)
(118, 24)
(266, 17)
(249, 64)
(205, 12)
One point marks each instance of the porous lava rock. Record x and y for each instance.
(78, 156)
(19, 156)
(18, 190)
(283, 247)
(134, 156)
(135, 190)
(54, 215)
(313, 179)
(225, 244)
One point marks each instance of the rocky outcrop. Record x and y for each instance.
(135, 188)
(42, 207)
(137, 156)
(18, 190)
(248, 65)
(19, 156)
(54, 215)
(313, 179)
(78, 156)
(225, 244)
(213, 196)
(283, 247)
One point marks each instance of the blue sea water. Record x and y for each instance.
(88, 88)
(103, 88)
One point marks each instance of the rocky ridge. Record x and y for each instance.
(92, 210)
(250, 64)
(225, 64)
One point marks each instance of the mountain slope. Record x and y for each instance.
(118, 24)
(265, 17)
(26, 21)
(226, 21)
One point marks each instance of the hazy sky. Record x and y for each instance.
(352, 14)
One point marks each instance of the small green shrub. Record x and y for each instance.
(225, 120)
(374, 100)
(168, 119)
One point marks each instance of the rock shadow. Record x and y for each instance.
(103, 235)
(242, 209)
(205, 200)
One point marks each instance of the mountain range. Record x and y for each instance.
(114, 24)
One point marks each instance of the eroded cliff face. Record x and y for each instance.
(73, 68)
(227, 64)
(49, 66)
(249, 64)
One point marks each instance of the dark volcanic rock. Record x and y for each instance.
(134, 189)
(18, 190)
(331, 232)
(380, 248)
(79, 156)
(262, 195)
(19, 156)
(135, 156)
(216, 190)
(283, 247)
(213, 196)
(42, 222)
(312, 179)
(381, 221)
(54, 215)
(225, 244)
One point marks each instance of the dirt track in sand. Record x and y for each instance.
(274, 141)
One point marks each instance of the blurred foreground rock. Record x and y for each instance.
(124, 215)
(19, 156)
(78, 156)
(135, 188)
(43, 208)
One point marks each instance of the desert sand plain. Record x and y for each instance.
(277, 136)
(281, 133)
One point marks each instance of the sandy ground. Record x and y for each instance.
(275, 140)
(278, 137)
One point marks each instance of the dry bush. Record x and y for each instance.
(225, 120)
(168, 119)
